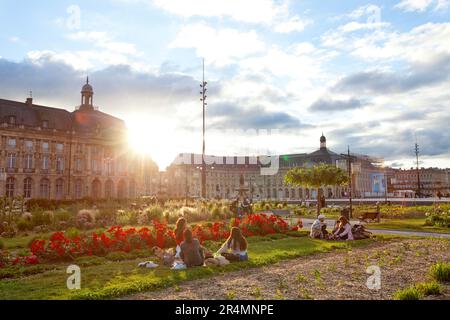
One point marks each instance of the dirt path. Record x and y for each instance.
(336, 275)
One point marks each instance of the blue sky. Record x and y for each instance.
(370, 74)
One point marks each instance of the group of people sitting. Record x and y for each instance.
(342, 229)
(193, 254)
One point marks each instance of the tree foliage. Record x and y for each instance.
(316, 176)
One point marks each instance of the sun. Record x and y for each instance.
(156, 137)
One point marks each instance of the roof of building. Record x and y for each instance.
(32, 115)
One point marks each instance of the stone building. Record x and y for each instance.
(52, 153)
(432, 181)
(222, 178)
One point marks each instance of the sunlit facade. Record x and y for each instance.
(52, 153)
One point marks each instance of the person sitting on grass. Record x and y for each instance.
(235, 248)
(191, 251)
(180, 227)
(319, 228)
(344, 231)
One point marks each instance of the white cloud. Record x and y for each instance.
(293, 24)
(103, 40)
(422, 5)
(252, 11)
(218, 46)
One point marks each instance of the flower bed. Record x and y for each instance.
(61, 247)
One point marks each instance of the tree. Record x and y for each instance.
(316, 177)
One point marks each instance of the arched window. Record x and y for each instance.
(109, 188)
(59, 189)
(44, 189)
(27, 187)
(292, 193)
(300, 193)
(10, 186)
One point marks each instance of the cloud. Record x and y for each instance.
(218, 46)
(235, 115)
(330, 105)
(105, 41)
(379, 82)
(251, 11)
(119, 90)
(293, 24)
(422, 5)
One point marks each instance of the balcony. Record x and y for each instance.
(28, 170)
(12, 170)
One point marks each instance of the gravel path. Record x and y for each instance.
(335, 275)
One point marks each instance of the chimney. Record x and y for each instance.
(29, 102)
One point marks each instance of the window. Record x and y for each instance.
(45, 124)
(12, 142)
(94, 165)
(110, 167)
(45, 162)
(60, 164)
(11, 160)
(27, 186)
(45, 189)
(59, 189)
(28, 161)
(10, 184)
(12, 120)
(29, 144)
(45, 146)
(78, 189)
(59, 147)
(78, 164)
(79, 148)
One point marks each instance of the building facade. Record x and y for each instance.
(222, 178)
(52, 153)
(432, 181)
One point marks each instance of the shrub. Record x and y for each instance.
(441, 271)
(429, 288)
(72, 233)
(24, 225)
(411, 293)
(216, 213)
(106, 217)
(86, 219)
(154, 212)
(41, 218)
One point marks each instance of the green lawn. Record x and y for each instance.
(407, 224)
(105, 279)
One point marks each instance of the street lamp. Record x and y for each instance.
(204, 104)
(349, 170)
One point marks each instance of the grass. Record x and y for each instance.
(418, 291)
(406, 224)
(441, 271)
(105, 279)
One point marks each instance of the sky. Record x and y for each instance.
(374, 76)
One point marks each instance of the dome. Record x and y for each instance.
(87, 87)
(323, 139)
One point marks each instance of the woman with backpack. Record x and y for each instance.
(191, 251)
